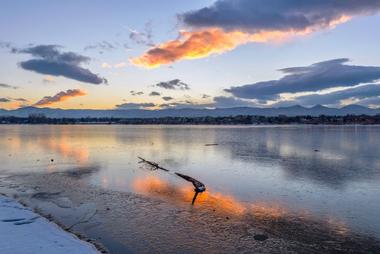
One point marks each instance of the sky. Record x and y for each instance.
(124, 54)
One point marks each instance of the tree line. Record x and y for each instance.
(222, 120)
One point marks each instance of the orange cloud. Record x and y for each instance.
(203, 43)
(59, 97)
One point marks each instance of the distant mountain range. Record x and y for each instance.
(192, 112)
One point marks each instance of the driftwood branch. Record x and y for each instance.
(153, 164)
(199, 187)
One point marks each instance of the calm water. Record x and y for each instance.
(327, 171)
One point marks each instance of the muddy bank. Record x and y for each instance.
(162, 219)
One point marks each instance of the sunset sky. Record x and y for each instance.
(170, 54)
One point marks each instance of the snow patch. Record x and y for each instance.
(24, 232)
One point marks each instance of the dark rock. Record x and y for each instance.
(260, 237)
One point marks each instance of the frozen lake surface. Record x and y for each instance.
(328, 173)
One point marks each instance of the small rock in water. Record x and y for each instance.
(316, 150)
(260, 237)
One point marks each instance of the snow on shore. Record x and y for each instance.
(24, 232)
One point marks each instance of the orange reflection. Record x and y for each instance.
(153, 185)
(62, 146)
(226, 205)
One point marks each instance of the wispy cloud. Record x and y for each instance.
(2, 85)
(120, 65)
(134, 93)
(14, 102)
(116, 66)
(131, 105)
(59, 97)
(6, 44)
(355, 94)
(48, 79)
(101, 46)
(142, 37)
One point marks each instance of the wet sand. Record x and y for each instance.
(163, 220)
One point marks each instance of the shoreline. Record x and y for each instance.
(120, 216)
(38, 232)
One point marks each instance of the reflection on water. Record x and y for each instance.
(229, 207)
(330, 172)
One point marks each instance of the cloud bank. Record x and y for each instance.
(227, 24)
(49, 60)
(316, 77)
(59, 97)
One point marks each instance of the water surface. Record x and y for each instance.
(328, 172)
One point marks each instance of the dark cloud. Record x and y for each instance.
(51, 61)
(154, 93)
(167, 98)
(2, 85)
(5, 100)
(61, 96)
(134, 93)
(279, 15)
(174, 84)
(135, 105)
(205, 96)
(316, 77)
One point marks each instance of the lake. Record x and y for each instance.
(329, 174)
